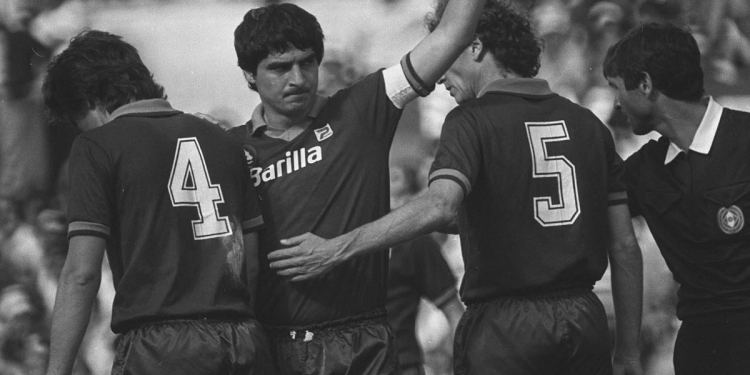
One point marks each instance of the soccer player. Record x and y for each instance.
(534, 179)
(322, 167)
(170, 198)
(692, 186)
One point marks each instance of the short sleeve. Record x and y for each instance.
(631, 171)
(91, 200)
(252, 219)
(615, 184)
(459, 154)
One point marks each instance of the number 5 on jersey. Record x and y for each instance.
(566, 211)
(190, 185)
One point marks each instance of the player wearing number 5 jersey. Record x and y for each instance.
(535, 181)
(170, 198)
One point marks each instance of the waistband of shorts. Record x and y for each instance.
(720, 317)
(374, 316)
(158, 322)
(575, 291)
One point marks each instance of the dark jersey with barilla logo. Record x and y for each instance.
(171, 194)
(329, 180)
(538, 172)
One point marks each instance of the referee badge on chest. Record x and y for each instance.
(731, 219)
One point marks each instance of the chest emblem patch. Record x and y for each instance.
(731, 219)
(324, 132)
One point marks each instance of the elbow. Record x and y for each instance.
(81, 278)
(443, 213)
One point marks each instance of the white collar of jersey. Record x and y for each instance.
(259, 120)
(525, 86)
(142, 106)
(704, 136)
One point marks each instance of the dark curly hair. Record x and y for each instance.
(97, 68)
(271, 29)
(506, 34)
(667, 52)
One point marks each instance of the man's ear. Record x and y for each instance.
(477, 49)
(646, 85)
(250, 78)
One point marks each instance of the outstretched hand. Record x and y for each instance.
(309, 256)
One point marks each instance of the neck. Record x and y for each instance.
(284, 121)
(680, 120)
(490, 73)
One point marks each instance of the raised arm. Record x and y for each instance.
(311, 255)
(76, 293)
(456, 30)
(626, 265)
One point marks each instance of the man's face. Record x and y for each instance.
(287, 82)
(457, 79)
(634, 104)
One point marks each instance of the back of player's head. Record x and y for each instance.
(274, 29)
(97, 68)
(505, 34)
(668, 53)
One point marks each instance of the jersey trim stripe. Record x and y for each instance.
(414, 80)
(397, 87)
(453, 175)
(617, 198)
(445, 297)
(82, 228)
(252, 224)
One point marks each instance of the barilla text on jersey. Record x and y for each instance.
(294, 161)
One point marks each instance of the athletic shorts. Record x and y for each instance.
(199, 347)
(558, 333)
(356, 347)
(717, 343)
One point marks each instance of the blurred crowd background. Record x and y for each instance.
(188, 46)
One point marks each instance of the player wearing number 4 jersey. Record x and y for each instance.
(535, 180)
(170, 197)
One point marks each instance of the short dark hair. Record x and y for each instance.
(271, 29)
(506, 34)
(97, 68)
(667, 52)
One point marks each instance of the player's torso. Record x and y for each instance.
(328, 180)
(536, 217)
(177, 210)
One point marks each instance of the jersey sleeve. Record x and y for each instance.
(252, 219)
(91, 200)
(459, 154)
(432, 275)
(631, 171)
(615, 184)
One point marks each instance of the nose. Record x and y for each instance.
(296, 76)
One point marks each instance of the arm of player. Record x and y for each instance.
(627, 289)
(76, 293)
(252, 264)
(456, 30)
(310, 255)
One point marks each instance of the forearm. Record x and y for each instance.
(420, 216)
(70, 318)
(627, 294)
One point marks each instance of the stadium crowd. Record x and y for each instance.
(576, 34)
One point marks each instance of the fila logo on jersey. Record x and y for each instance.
(324, 132)
(248, 159)
(294, 161)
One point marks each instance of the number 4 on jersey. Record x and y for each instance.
(190, 185)
(566, 211)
